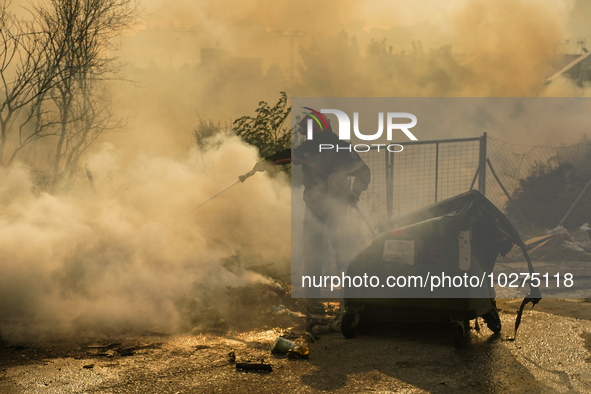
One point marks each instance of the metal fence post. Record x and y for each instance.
(482, 166)
(436, 169)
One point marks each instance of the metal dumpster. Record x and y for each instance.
(461, 235)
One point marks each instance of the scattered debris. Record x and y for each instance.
(232, 357)
(308, 337)
(238, 308)
(573, 247)
(282, 346)
(560, 230)
(109, 346)
(301, 352)
(126, 351)
(281, 310)
(323, 325)
(315, 308)
(537, 242)
(117, 349)
(291, 335)
(561, 243)
(259, 367)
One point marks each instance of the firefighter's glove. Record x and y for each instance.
(261, 165)
(352, 198)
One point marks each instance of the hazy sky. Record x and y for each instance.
(231, 23)
(504, 44)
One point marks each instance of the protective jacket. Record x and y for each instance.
(326, 174)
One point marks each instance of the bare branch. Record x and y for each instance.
(51, 69)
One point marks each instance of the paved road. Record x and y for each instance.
(551, 354)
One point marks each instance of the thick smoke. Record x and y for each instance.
(214, 60)
(121, 260)
(508, 52)
(116, 260)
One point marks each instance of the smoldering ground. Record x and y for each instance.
(121, 260)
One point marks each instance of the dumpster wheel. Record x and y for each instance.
(349, 324)
(459, 330)
(493, 321)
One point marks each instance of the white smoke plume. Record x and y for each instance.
(77, 261)
(122, 260)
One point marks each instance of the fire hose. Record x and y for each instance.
(244, 177)
(240, 179)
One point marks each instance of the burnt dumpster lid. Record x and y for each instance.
(451, 206)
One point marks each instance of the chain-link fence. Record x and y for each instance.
(426, 172)
(423, 173)
(512, 163)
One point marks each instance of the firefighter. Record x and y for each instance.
(333, 182)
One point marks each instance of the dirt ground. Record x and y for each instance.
(550, 354)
